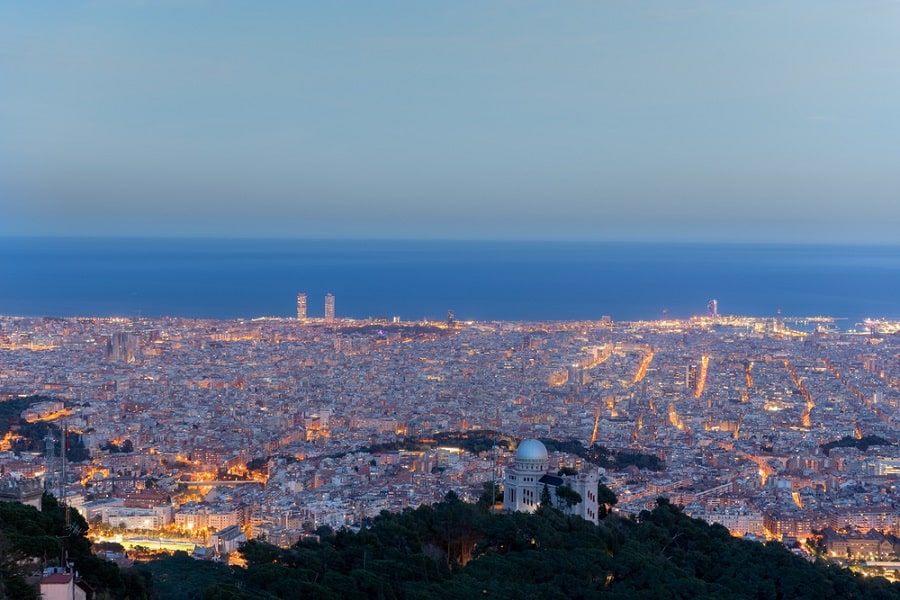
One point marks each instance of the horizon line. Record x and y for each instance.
(279, 238)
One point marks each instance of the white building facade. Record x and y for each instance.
(525, 481)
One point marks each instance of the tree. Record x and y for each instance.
(423, 553)
(324, 531)
(546, 500)
(566, 495)
(256, 552)
(30, 538)
(606, 499)
(489, 489)
(456, 526)
(12, 573)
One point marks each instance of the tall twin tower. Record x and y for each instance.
(329, 307)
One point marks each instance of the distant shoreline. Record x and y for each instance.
(416, 280)
(439, 241)
(788, 324)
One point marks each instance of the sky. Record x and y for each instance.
(486, 119)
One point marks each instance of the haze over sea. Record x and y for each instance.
(240, 278)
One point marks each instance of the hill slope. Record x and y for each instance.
(458, 550)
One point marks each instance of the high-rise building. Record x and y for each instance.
(301, 306)
(329, 307)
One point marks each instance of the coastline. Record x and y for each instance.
(510, 281)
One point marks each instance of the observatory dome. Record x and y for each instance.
(531, 450)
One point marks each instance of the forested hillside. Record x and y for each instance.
(458, 550)
(31, 540)
(449, 550)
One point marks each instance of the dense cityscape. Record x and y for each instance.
(202, 434)
(413, 301)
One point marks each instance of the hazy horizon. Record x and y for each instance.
(655, 121)
(452, 240)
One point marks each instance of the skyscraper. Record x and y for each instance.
(329, 307)
(301, 306)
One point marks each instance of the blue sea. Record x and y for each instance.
(228, 279)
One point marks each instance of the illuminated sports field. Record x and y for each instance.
(150, 543)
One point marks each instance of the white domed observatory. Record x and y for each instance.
(526, 478)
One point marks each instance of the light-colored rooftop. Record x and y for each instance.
(531, 450)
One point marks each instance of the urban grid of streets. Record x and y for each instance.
(737, 409)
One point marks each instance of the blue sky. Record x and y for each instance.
(650, 120)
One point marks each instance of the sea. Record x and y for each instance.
(413, 280)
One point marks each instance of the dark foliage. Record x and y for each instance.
(604, 457)
(31, 539)
(477, 441)
(125, 446)
(11, 411)
(861, 444)
(30, 437)
(606, 499)
(180, 577)
(458, 550)
(474, 441)
(258, 464)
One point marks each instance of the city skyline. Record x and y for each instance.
(645, 122)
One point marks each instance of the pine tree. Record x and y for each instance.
(546, 500)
